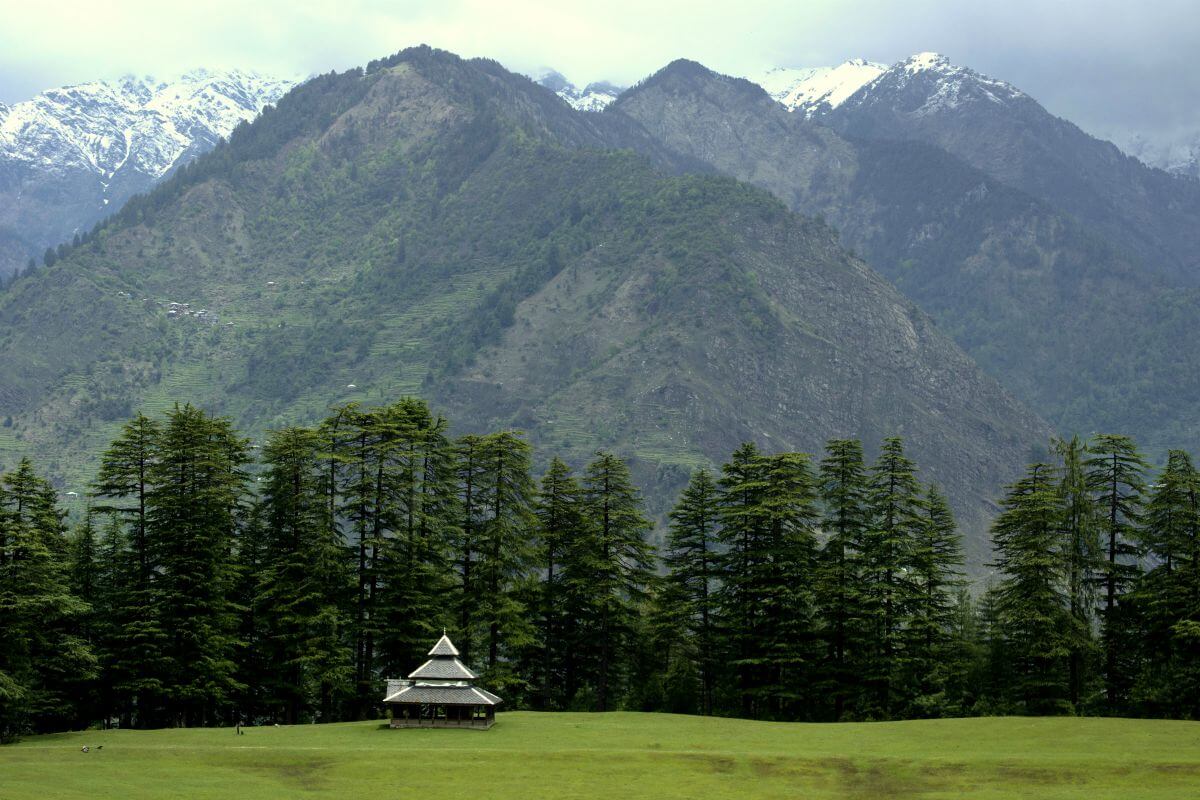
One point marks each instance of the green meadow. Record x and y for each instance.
(529, 756)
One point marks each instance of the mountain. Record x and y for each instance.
(1007, 134)
(438, 226)
(1084, 332)
(593, 97)
(1179, 155)
(70, 156)
(813, 91)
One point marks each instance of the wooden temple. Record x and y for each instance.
(439, 694)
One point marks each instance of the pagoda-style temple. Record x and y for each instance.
(439, 694)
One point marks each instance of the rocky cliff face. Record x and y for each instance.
(70, 156)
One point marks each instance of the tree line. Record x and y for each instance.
(212, 582)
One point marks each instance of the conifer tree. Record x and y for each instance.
(767, 517)
(136, 640)
(895, 507)
(789, 642)
(362, 472)
(690, 558)
(1168, 595)
(936, 576)
(505, 555)
(416, 568)
(469, 475)
(842, 483)
(745, 581)
(193, 512)
(123, 483)
(1031, 607)
(255, 671)
(303, 582)
(43, 660)
(109, 604)
(1081, 550)
(614, 562)
(1115, 476)
(561, 525)
(85, 584)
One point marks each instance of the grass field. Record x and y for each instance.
(628, 756)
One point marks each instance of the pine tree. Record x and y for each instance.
(561, 525)
(615, 563)
(1168, 595)
(936, 576)
(1081, 550)
(789, 513)
(1115, 476)
(85, 583)
(43, 661)
(303, 583)
(136, 642)
(362, 474)
(1031, 606)
(415, 566)
(256, 672)
(745, 572)
(842, 483)
(192, 519)
(124, 481)
(690, 558)
(470, 466)
(768, 513)
(503, 544)
(895, 507)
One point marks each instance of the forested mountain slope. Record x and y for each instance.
(443, 227)
(1086, 334)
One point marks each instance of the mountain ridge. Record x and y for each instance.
(71, 155)
(1038, 298)
(441, 226)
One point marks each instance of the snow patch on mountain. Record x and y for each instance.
(135, 123)
(813, 90)
(593, 97)
(944, 85)
(1179, 154)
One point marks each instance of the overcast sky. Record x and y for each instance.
(1112, 67)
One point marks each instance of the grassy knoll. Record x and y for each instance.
(531, 756)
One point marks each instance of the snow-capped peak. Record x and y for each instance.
(594, 97)
(814, 90)
(132, 123)
(952, 84)
(923, 62)
(930, 83)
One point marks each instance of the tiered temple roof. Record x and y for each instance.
(440, 690)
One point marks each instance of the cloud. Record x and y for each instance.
(1109, 66)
